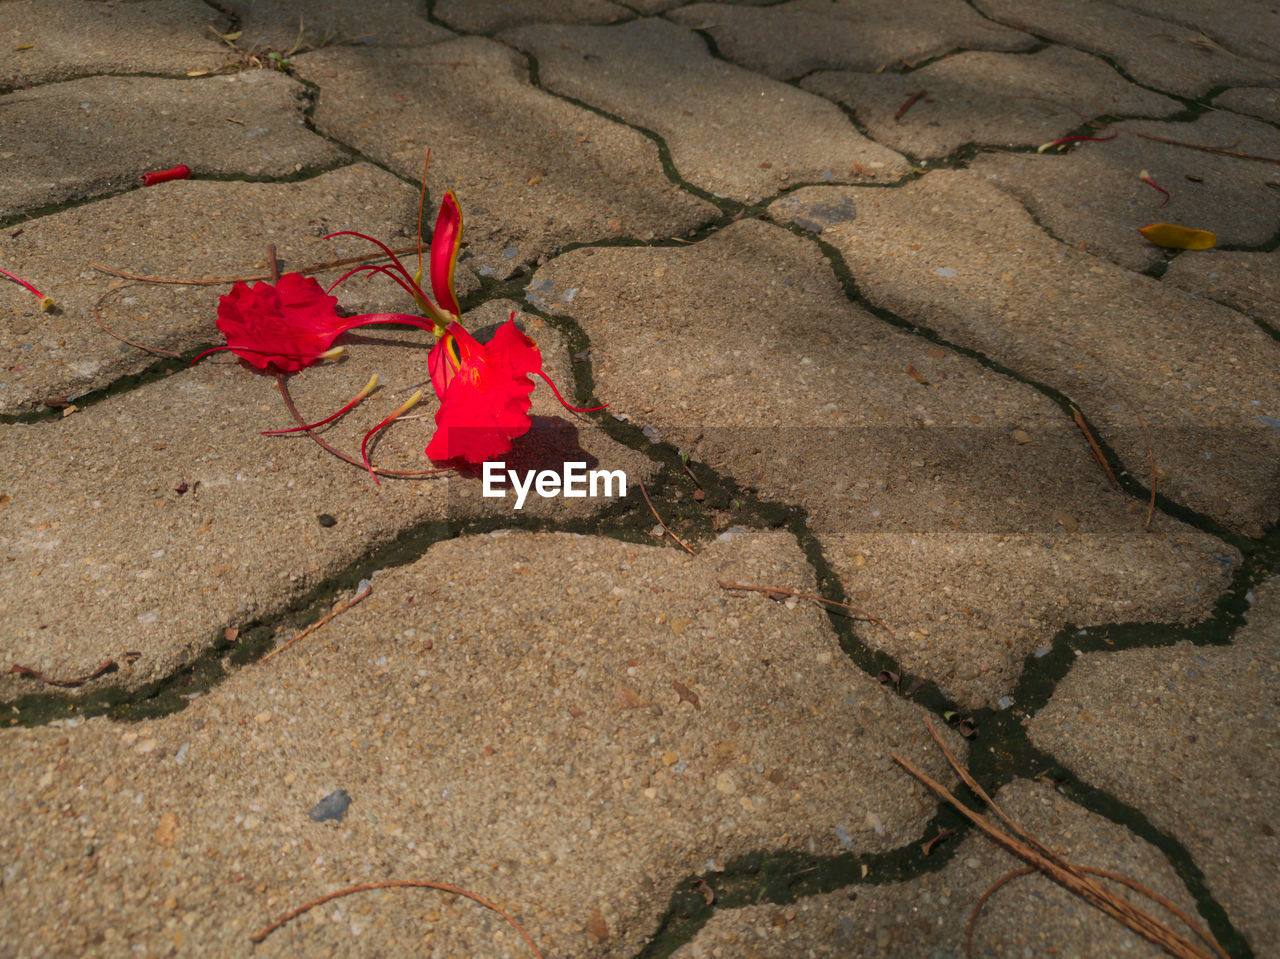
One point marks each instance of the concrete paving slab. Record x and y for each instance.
(927, 916)
(845, 34)
(964, 510)
(184, 229)
(954, 254)
(1153, 50)
(731, 132)
(42, 40)
(1187, 735)
(1094, 193)
(1260, 102)
(1249, 28)
(532, 172)
(167, 493)
(490, 16)
(68, 141)
(1246, 281)
(535, 750)
(1000, 99)
(294, 26)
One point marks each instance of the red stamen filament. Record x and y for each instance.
(436, 313)
(364, 445)
(369, 388)
(1054, 143)
(46, 303)
(546, 379)
(409, 287)
(1150, 182)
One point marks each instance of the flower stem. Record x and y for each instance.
(409, 404)
(369, 388)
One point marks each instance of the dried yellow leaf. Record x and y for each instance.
(1176, 237)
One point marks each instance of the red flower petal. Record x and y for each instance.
(446, 238)
(289, 324)
(484, 392)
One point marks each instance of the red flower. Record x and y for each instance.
(484, 392)
(289, 324)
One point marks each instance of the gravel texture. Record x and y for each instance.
(968, 515)
(537, 751)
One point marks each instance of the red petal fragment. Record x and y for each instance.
(181, 172)
(446, 239)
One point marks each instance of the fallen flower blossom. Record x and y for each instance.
(484, 392)
(1175, 237)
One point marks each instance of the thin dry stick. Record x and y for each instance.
(397, 884)
(1113, 905)
(910, 102)
(686, 546)
(106, 667)
(320, 622)
(982, 793)
(1205, 149)
(759, 589)
(1136, 887)
(1094, 448)
(293, 411)
(220, 280)
(817, 599)
(102, 326)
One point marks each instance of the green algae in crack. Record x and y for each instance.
(784, 876)
(152, 373)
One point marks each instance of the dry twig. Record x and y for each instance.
(1205, 149)
(221, 280)
(397, 884)
(109, 666)
(859, 614)
(138, 346)
(319, 622)
(687, 548)
(910, 102)
(1094, 448)
(1058, 869)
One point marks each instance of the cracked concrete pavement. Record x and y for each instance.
(915, 427)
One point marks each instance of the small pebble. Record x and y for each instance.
(332, 806)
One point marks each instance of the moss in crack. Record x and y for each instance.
(123, 384)
(786, 876)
